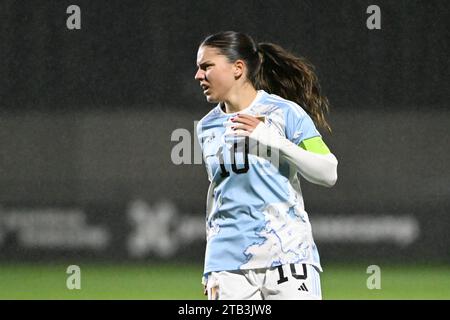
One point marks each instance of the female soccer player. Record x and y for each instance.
(260, 134)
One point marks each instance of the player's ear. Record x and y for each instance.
(238, 68)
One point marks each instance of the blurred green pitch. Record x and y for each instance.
(179, 282)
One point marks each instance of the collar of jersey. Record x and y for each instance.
(258, 97)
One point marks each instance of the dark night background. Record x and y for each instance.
(86, 115)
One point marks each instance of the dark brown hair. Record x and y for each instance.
(275, 70)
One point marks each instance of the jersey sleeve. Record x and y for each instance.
(200, 139)
(299, 125)
(199, 130)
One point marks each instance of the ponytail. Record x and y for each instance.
(292, 78)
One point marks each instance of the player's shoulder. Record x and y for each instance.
(213, 114)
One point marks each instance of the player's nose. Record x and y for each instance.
(199, 75)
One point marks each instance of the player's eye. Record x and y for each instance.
(205, 66)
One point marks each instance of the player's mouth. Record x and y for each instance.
(205, 88)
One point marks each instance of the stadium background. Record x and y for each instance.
(86, 124)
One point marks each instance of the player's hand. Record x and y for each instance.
(244, 124)
(205, 291)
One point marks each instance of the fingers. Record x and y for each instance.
(246, 119)
(242, 133)
(246, 127)
(244, 122)
(238, 132)
(246, 116)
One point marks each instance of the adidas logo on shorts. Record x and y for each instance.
(303, 287)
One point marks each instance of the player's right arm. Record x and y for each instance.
(315, 145)
(312, 158)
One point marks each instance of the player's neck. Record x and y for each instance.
(240, 99)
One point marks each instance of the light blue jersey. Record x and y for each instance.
(255, 216)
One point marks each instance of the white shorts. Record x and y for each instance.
(287, 282)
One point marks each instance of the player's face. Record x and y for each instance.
(215, 74)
